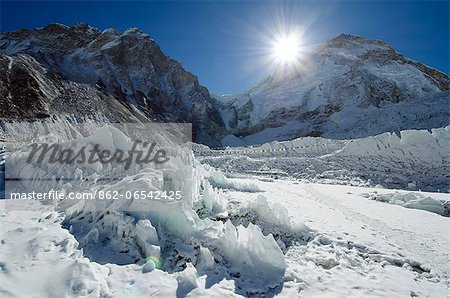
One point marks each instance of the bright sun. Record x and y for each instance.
(286, 49)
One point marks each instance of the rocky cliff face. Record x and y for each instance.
(333, 88)
(127, 68)
(29, 91)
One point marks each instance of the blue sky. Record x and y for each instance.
(225, 43)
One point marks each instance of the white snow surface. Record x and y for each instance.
(414, 159)
(251, 235)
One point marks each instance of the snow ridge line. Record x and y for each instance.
(248, 151)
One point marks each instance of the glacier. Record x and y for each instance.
(240, 233)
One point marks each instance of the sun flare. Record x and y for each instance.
(286, 49)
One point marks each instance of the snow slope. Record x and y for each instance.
(346, 88)
(355, 122)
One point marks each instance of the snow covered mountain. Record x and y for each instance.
(236, 230)
(349, 87)
(81, 70)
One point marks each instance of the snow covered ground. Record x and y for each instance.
(249, 227)
(414, 160)
(357, 247)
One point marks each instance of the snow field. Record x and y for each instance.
(191, 235)
(415, 160)
(251, 235)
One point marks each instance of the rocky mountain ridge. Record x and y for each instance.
(346, 88)
(128, 67)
